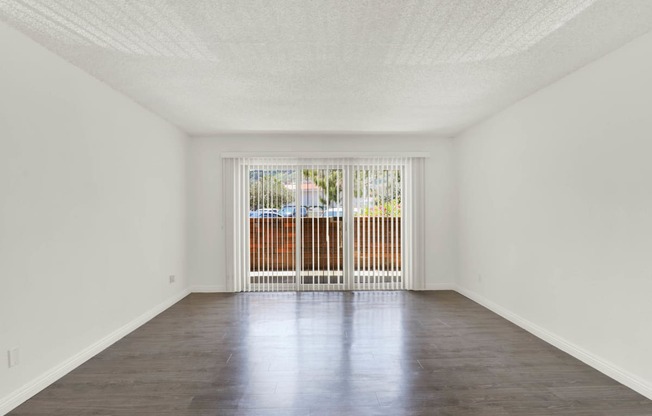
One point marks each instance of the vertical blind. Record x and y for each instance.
(323, 223)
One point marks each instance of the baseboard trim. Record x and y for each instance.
(208, 289)
(604, 366)
(30, 389)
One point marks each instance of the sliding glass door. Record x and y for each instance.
(377, 227)
(319, 224)
(322, 228)
(272, 249)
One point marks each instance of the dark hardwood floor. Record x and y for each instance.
(339, 353)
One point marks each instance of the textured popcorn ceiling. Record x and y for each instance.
(343, 65)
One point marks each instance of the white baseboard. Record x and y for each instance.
(441, 286)
(208, 289)
(604, 366)
(30, 389)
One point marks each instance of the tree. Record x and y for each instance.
(380, 191)
(381, 187)
(330, 184)
(268, 192)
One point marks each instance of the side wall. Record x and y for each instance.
(92, 215)
(555, 225)
(206, 232)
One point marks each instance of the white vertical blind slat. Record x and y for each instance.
(383, 272)
(236, 209)
(277, 238)
(408, 228)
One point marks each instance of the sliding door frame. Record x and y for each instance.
(236, 182)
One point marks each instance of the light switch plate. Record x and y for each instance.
(13, 356)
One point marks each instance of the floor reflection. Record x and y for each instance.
(335, 347)
(333, 353)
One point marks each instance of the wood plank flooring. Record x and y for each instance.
(338, 353)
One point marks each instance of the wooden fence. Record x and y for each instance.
(377, 243)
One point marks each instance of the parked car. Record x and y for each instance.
(336, 212)
(290, 210)
(315, 211)
(270, 215)
(265, 213)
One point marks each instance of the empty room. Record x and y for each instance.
(254, 207)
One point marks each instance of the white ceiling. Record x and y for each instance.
(435, 66)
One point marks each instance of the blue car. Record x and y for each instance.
(335, 212)
(265, 213)
(290, 210)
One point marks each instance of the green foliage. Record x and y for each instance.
(381, 185)
(381, 189)
(390, 208)
(268, 192)
(330, 184)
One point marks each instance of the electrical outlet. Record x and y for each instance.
(13, 356)
(172, 278)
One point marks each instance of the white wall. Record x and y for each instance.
(555, 221)
(92, 211)
(206, 263)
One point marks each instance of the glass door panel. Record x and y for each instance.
(272, 228)
(322, 239)
(377, 228)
